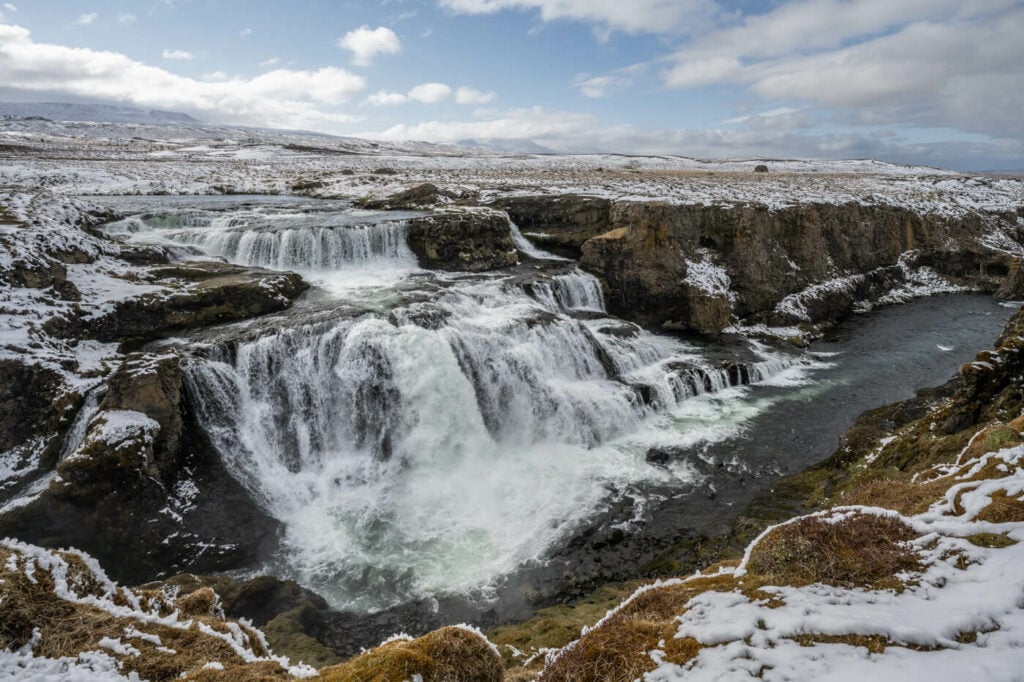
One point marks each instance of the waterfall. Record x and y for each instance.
(527, 248)
(574, 291)
(437, 447)
(306, 242)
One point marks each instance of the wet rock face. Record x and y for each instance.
(559, 223)
(35, 410)
(143, 490)
(648, 260)
(464, 239)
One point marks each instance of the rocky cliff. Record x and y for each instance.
(703, 267)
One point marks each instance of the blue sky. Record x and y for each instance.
(918, 81)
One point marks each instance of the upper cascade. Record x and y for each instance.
(307, 242)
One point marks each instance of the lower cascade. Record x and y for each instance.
(437, 446)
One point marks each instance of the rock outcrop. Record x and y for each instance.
(143, 489)
(695, 266)
(425, 196)
(559, 223)
(465, 239)
(198, 294)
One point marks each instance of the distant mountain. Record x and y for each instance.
(506, 145)
(95, 113)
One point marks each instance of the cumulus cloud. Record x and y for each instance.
(10, 7)
(473, 97)
(86, 19)
(282, 97)
(430, 93)
(525, 124)
(382, 98)
(273, 61)
(634, 16)
(126, 18)
(365, 43)
(180, 55)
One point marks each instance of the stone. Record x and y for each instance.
(465, 239)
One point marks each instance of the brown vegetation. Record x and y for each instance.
(450, 654)
(862, 550)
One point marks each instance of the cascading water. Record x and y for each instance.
(435, 448)
(456, 433)
(302, 241)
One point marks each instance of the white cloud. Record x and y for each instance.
(430, 93)
(597, 87)
(472, 96)
(180, 55)
(10, 7)
(366, 43)
(283, 98)
(382, 98)
(126, 18)
(273, 61)
(917, 62)
(215, 76)
(245, 32)
(521, 124)
(86, 19)
(630, 16)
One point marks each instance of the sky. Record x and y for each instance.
(936, 82)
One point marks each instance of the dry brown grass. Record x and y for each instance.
(1003, 509)
(990, 439)
(67, 628)
(902, 496)
(450, 654)
(617, 651)
(862, 550)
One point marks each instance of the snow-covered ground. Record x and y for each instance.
(959, 617)
(151, 159)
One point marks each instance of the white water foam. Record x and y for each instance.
(439, 449)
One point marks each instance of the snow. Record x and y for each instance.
(707, 276)
(105, 595)
(118, 647)
(90, 667)
(210, 160)
(123, 428)
(747, 638)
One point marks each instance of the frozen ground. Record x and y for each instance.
(149, 159)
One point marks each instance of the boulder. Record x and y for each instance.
(467, 239)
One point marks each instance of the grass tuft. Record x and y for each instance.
(450, 654)
(862, 550)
